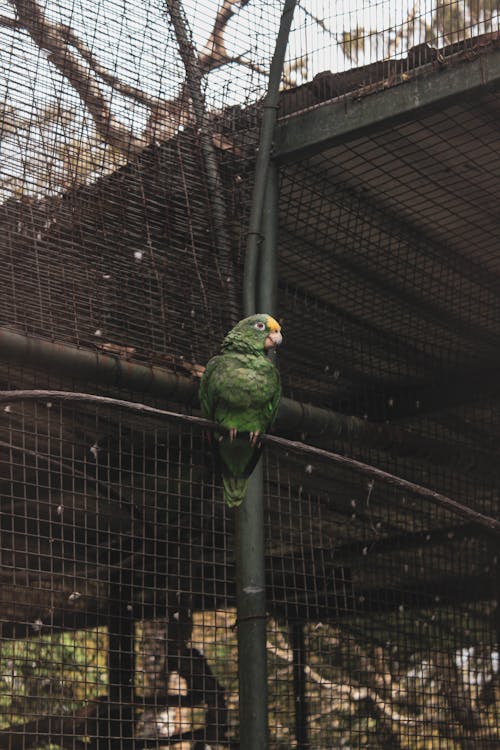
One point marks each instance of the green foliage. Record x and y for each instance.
(353, 43)
(395, 681)
(50, 674)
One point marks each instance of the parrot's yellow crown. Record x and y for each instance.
(273, 325)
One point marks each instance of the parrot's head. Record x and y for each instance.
(257, 333)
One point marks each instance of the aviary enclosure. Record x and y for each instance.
(130, 134)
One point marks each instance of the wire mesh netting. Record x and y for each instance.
(118, 596)
(128, 140)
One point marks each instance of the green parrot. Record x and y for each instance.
(241, 390)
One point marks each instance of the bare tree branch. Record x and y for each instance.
(10, 23)
(83, 71)
(194, 75)
(214, 53)
(132, 92)
(48, 36)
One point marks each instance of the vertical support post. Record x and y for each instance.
(269, 116)
(267, 291)
(250, 571)
(252, 617)
(259, 289)
(299, 685)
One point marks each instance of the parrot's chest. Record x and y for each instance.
(247, 389)
(246, 385)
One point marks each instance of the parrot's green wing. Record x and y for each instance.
(241, 392)
(274, 401)
(205, 391)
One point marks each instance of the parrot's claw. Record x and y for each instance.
(232, 434)
(254, 438)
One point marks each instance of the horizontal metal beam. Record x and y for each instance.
(107, 370)
(94, 367)
(294, 417)
(305, 133)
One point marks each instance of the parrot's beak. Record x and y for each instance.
(273, 340)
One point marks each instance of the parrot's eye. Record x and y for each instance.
(260, 326)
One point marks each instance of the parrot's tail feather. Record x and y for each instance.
(235, 489)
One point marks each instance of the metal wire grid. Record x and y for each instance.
(377, 267)
(431, 373)
(442, 435)
(116, 268)
(388, 673)
(338, 561)
(89, 85)
(123, 256)
(400, 664)
(411, 166)
(112, 128)
(104, 524)
(117, 591)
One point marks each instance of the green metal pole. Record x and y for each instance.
(250, 547)
(263, 157)
(89, 365)
(267, 291)
(259, 294)
(251, 616)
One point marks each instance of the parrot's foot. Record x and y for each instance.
(231, 434)
(254, 438)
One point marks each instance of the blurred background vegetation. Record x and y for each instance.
(364, 687)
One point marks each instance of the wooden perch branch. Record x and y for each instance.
(488, 523)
